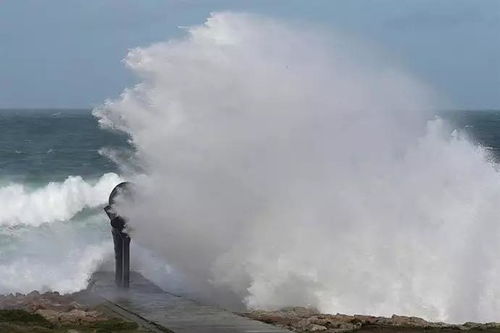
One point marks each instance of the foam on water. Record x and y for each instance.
(54, 202)
(53, 237)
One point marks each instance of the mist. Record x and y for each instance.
(291, 166)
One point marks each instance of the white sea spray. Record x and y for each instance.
(285, 168)
(53, 202)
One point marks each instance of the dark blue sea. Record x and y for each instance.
(54, 180)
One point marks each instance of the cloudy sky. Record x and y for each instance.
(67, 53)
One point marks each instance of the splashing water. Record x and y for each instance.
(54, 202)
(285, 167)
(53, 237)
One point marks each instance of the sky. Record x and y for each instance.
(67, 53)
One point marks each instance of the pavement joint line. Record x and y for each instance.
(150, 325)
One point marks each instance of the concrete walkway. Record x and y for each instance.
(160, 311)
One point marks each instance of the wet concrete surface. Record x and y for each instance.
(160, 311)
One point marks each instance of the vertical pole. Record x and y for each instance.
(118, 242)
(120, 239)
(126, 261)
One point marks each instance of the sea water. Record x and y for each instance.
(54, 180)
(56, 172)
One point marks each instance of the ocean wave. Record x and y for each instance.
(54, 202)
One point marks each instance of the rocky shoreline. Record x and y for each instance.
(56, 308)
(53, 312)
(304, 320)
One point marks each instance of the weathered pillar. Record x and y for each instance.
(121, 239)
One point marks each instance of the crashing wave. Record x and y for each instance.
(54, 202)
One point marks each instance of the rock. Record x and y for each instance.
(305, 320)
(299, 311)
(50, 315)
(309, 320)
(362, 319)
(35, 301)
(54, 307)
(316, 328)
(408, 321)
(71, 317)
(491, 325)
(81, 317)
(76, 305)
(34, 293)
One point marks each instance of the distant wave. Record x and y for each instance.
(54, 202)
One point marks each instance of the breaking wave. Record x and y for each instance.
(54, 202)
(287, 167)
(53, 237)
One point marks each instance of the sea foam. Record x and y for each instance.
(53, 202)
(44, 243)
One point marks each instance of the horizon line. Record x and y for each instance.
(91, 108)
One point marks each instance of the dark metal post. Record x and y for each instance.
(121, 239)
(118, 243)
(126, 261)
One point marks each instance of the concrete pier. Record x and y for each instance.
(160, 311)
